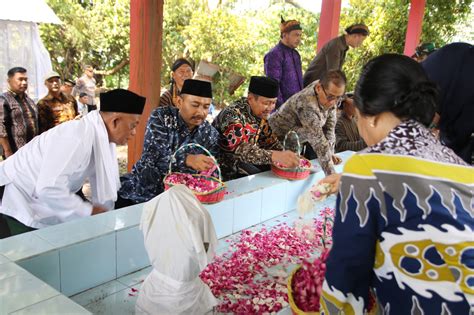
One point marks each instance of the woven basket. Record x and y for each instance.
(294, 308)
(207, 197)
(292, 173)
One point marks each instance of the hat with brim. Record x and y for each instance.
(50, 75)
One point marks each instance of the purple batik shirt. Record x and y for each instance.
(283, 63)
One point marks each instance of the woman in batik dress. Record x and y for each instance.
(404, 214)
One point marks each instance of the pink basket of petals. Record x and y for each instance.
(207, 188)
(302, 171)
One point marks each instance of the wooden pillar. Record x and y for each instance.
(329, 21)
(146, 33)
(414, 27)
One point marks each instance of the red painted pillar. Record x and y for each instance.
(415, 22)
(329, 21)
(146, 33)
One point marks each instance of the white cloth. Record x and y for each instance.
(22, 46)
(175, 227)
(42, 177)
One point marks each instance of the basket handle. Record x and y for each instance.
(195, 145)
(297, 141)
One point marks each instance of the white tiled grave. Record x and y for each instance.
(119, 296)
(64, 260)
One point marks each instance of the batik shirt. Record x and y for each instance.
(403, 227)
(18, 119)
(347, 134)
(312, 122)
(243, 138)
(283, 64)
(56, 110)
(165, 132)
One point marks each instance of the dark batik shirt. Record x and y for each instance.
(166, 99)
(166, 131)
(283, 64)
(243, 138)
(347, 135)
(18, 119)
(56, 110)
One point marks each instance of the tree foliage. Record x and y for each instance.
(96, 34)
(236, 40)
(387, 21)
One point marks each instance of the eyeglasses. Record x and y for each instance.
(331, 98)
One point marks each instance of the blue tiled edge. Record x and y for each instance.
(45, 267)
(88, 264)
(131, 254)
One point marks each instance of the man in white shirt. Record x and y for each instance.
(42, 178)
(82, 104)
(87, 84)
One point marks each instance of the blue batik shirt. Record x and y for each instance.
(166, 131)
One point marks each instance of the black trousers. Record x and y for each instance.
(4, 228)
(10, 226)
(122, 203)
(91, 108)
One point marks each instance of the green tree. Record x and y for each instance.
(221, 37)
(176, 17)
(267, 24)
(387, 21)
(236, 40)
(96, 34)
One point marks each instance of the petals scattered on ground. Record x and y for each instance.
(251, 277)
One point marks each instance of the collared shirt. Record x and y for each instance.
(42, 178)
(56, 110)
(82, 108)
(18, 119)
(86, 85)
(243, 138)
(312, 122)
(403, 226)
(347, 135)
(165, 132)
(283, 64)
(331, 57)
